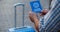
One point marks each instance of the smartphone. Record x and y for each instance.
(36, 6)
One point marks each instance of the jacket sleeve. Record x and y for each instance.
(52, 24)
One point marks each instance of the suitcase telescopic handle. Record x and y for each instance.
(19, 4)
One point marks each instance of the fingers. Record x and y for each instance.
(30, 13)
(44, 12)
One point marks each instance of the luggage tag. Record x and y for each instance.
(36, 6)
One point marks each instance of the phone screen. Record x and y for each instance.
(36, 6)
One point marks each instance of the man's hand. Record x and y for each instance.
(33, 17)
(44, 12)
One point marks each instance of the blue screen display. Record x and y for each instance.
(36, 6)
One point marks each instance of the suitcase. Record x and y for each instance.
(23, 28)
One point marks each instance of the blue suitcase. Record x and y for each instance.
(24, 28)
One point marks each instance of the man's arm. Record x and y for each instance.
(36, 25)
(33, 17)
(35, 20)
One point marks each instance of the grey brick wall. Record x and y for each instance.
(7, 13)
